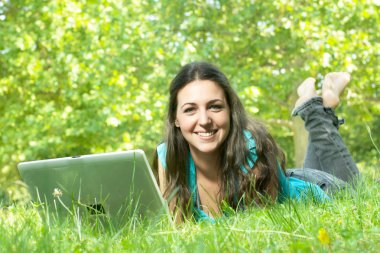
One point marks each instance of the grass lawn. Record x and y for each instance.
(350, 223)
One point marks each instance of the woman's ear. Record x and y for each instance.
(176, 123)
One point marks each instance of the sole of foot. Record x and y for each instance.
(333, 85)
(305, 91)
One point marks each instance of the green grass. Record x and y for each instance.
(350, 223)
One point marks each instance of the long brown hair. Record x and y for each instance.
(260, 181)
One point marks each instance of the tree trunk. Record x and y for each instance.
(300, 136)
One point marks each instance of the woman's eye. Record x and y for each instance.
(187, 110)
(216, 107)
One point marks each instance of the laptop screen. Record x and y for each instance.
(116, 185)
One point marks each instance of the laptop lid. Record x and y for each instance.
(116, 185)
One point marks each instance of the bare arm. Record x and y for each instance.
(161, 178)
(163, 184)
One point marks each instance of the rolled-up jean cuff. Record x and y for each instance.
(308, 103)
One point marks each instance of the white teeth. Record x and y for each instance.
(206, 134)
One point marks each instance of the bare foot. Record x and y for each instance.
(305, 91)
(333, 85)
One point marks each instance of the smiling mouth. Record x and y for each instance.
(207, 134)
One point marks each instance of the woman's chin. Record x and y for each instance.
(206, 149)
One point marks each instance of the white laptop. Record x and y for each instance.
(116, 185)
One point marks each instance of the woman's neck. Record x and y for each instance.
(207, 164)
(208, 181)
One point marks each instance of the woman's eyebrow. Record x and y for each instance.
(209, 102)
(216, 100)
(188, 103)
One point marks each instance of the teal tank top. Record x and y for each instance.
(289, 187)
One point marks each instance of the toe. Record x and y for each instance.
(307, 86)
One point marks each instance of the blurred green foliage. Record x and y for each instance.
(79, 77)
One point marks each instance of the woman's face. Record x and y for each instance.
(203, 115)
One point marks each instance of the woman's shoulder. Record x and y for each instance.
(161, 153)
(161, 147)
(251, 143)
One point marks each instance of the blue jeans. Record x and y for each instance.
(328, 162)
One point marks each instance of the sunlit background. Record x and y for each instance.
(80, 77)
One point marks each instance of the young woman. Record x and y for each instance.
(214, 156)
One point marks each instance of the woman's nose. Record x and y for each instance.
(204, 118)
